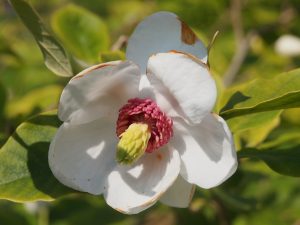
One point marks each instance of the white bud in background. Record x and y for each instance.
(288, 45)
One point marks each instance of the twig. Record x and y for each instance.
(119, 43)
(242, 43)
(238, 58)
(221, 211)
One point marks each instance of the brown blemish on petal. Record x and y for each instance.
(90, 69)
(187, 35)
(159, 156)
(153, 200)
(192, 57)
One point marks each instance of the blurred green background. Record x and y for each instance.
(96, 31)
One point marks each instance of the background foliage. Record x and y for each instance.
(259, 92)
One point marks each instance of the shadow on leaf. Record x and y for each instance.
(38, 167)
(236, 98)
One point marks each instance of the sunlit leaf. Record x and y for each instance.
(284, 138)
(251, 128)
(256, 135)
(292, 116)
(260, 95)
(44, 98)
(252, 121)
(55, 56)
(24, 169)
(82, 32)
(112, 56)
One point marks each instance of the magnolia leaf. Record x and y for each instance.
(282, 159)
(253, 137)
(252, 121)
(24, 170)
(55, 56)
(292, 116)
(283, 138)
(82, 32)
(37, 100)
(260, 95)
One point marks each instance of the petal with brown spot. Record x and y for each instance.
(187, 35)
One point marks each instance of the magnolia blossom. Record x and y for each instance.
(142, 130)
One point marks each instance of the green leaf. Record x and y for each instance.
(251, 130)
(252, 121)
(37, 100)
(283, 160)
(112, 56)
(292, 116)
(282, 138)
(55, 56)
(82, 32)
(260, 95)
(24, 170)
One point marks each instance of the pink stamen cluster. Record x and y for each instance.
(146, 111)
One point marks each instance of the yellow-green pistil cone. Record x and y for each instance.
(133, 143)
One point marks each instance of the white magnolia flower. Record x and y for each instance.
(142, 130)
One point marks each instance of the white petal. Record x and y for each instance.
(182, 81)
(179, 194)
(81, 156)
(131, 189)
(98, 91)
(162, 32)
(207, 151)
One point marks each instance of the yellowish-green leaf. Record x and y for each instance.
(292, 116)
(81, 31)
(254, 136)
(252, 121)
(55, 56)
(249, 122)
(112, 56)
(261, 95)
(44, 98)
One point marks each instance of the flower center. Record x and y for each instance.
(141, 127)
